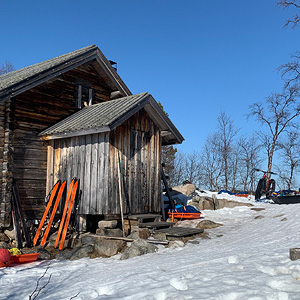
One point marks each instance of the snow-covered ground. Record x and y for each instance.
(247, 258)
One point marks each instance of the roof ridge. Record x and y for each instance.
(84, 49)
(118, 99)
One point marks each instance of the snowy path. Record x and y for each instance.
(249, 261)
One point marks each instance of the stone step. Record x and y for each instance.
(143, 218)
(156, 225)
(180, 231)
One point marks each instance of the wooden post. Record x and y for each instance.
(120, 193)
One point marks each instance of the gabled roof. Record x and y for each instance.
(16, 82)
(106, 116)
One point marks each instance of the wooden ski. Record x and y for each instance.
(52, 196)
(59, 195)
(16, 224)
(64, 213)
(74, 192)
(16, 199)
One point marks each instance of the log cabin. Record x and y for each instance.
(73, 116)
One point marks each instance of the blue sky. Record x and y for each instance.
(196, 57)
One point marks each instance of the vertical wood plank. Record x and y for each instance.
(82, 157)
(87, 175)
(57, 161)
(50, 166)
(94, 173)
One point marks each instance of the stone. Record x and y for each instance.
(284, 219)
(4, 238)
(257, 208)
(221, 203)
(170, 220)
(207, 224)
(77, 253)
(109, 248)
(159, 236)
(108, 224)
(202, 202)
(176, 244)
(137, 248)
(294, 253)
(144, 233)
(89, 238)
(4, 245)
(10, 234)
(193, 242)
(66, 254)
(187, 189)
(134, 235)
(5, 219)
(259, 217)
(81, 252)
(278, 216)
(44, 254)
(116, 232)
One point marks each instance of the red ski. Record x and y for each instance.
(61, 190)
(64, 213)
(74, 192)
(53, 194)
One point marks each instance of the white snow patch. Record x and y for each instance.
(246, 258)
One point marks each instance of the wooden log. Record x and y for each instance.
(131, 240)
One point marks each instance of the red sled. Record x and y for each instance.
(178, 215)
(24, 258)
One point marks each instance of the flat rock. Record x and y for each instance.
(142, 233)
(4, 238)
(4, 245)
(44, 254)
(76, 253)
(187, 189)
(116, 232)
(109, 248)
(137, 248)
(221, 203)
(108, 224)
(81, 252)
(207, 224)
(10, 234)
(257, 208)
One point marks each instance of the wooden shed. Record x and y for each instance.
(74, 116)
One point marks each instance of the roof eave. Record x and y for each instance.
(159, 116)
(74, 133)
(92, 54)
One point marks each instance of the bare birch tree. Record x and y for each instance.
(7, 67)
(295, 19)
(193, 168)
(249, 159)
(277, 114)
(290, 158)
(177, 175)
(212, 165)
(227, 132)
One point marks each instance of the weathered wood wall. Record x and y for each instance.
(139, 141)
(94, 160)
(34, 111)
(84, 157)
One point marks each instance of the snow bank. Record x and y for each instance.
(247, 258)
